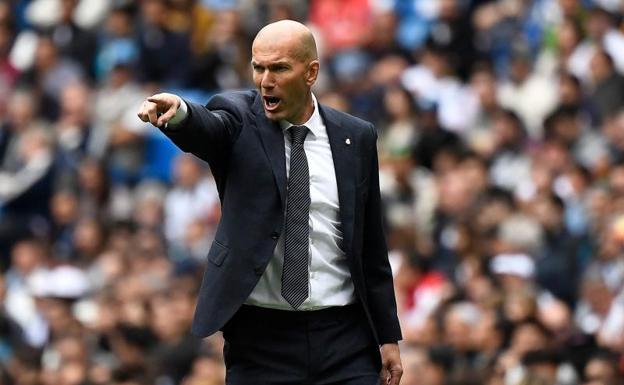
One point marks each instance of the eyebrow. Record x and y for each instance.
(276, 64)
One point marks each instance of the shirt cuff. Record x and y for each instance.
(179, 116)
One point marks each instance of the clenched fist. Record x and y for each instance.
(159, 109)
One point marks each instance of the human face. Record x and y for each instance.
(284, 81)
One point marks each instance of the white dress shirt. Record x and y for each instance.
(329, 277)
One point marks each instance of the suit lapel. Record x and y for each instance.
(272, 140)
(342, 148)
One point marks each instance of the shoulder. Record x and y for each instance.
(234, 106)
(357, 125)
(232, 99)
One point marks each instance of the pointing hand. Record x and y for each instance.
(159, 109)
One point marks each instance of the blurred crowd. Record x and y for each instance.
(501, 142)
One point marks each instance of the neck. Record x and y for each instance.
(307, 111)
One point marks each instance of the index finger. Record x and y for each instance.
(163, 101)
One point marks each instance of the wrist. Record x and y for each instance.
(180, 114)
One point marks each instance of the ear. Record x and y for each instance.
(313, 71)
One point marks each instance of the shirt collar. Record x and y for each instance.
(313, 124)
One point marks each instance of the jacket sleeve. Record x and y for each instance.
(208, 131)
(378, 275)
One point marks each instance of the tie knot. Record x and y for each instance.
(298, 134)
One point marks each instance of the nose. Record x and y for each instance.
(267, 80)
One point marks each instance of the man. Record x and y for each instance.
(297, 278)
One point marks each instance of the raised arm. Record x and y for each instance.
(208, 131)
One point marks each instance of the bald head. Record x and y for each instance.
(290, 35)
(285, 67)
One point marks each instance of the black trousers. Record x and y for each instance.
(325, 347)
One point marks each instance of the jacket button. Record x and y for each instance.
(274, 235)
(259, 270)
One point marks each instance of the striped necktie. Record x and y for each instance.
(296, 248)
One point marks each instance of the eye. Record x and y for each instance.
(279, 68)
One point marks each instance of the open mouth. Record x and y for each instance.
(271, 102)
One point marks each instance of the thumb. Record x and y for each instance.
(167, 115)
(395, 376)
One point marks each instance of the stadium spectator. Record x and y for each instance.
(501, 140)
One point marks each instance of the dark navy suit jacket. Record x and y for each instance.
(245, 151)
